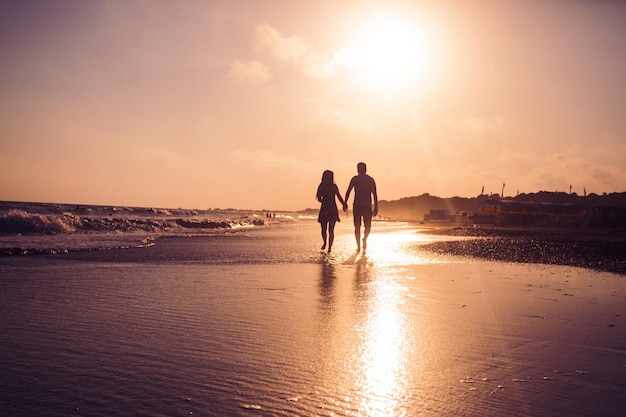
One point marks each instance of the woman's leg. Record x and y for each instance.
(331, 235)
(324, 226)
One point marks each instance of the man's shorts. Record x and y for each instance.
(364, 212)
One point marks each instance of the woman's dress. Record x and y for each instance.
(328, 210)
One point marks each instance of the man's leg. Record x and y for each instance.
(367, 222)
(357, 228)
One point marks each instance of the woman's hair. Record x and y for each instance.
(328, 179)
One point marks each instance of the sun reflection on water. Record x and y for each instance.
(381, 366)
(372, 346)
(396, 248)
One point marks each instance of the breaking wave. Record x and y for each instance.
(51, 228)
(22, 222)
(19, 221)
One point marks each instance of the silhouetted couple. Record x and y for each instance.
(364, 191)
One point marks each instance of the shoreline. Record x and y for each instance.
(597, 249)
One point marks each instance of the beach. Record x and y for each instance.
(595, 248)
(261, 322)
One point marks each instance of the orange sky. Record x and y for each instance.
(205, 104)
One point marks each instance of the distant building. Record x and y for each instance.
(509, 212)
(607, 216)
(439, 216)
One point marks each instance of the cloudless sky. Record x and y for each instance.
(243, 104)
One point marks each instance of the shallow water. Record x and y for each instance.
(257, 323)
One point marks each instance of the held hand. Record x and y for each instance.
(345, 206)
(375, 212)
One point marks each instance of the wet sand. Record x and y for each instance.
(266, 324)
(595, 248)
(516, 339)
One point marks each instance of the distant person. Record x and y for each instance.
(364, 190)
(329, 215)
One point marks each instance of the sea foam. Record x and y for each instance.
(45, 228)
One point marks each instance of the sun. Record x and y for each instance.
(389, 53)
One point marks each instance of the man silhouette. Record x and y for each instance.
(364, 190)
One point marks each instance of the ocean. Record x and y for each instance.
(109, 311)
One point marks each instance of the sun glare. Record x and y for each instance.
(385, 350)
(389, 53)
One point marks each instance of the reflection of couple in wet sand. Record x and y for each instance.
(364, 188)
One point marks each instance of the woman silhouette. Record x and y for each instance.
(329, 215)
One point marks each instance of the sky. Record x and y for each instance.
(243, 104)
